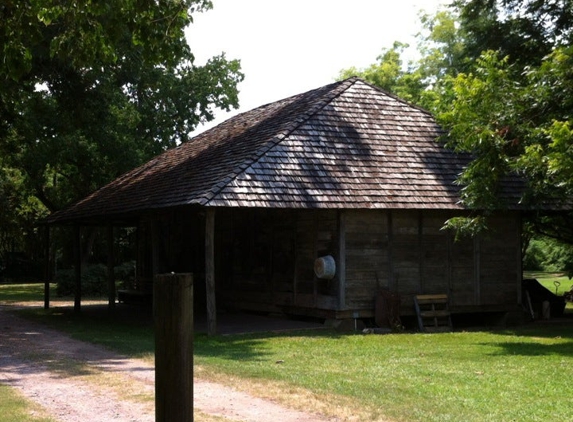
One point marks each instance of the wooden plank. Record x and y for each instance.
(367, 221)
(435, 314)
(423, 299)
(327, 302)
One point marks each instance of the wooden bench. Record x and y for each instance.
(433, 313)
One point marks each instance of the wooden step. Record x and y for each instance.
(433, 313)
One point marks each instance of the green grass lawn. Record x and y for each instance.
(29, 292)
(520, 374)
(517, 374)
(14, 407)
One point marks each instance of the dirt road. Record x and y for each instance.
(76, 381)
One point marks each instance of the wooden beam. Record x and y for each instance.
(46, 267)
(391, 279)
(477, 269)
(210, 271)
(341, 260)
(78, 269)
(155, 244)
(110, 270)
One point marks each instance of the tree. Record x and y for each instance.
(440, 51)
(512, 107)
(390, 74)
(524, 30)
(93, 89)
(498, 76)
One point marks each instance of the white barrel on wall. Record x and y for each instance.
(325, 267)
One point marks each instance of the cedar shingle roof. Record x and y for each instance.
(344, 145)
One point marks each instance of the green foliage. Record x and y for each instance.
(482, 112)
(94, 279)
(440, 48)
(525, 30)
(549, 255)
(390, 74)
(91, 90)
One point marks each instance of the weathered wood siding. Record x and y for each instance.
(408, 252)
(499, 273)
(367, 257)
(265, 260)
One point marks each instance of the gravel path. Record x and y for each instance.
(54, 370)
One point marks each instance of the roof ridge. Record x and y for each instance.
(316, 105)
(394, 96)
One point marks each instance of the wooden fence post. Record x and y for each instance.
(173, 314)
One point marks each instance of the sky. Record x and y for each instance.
(287, 47)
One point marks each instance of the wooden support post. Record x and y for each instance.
(78, 269)
(341, 271)
(155, 244)
(46, 267)
(210, 271)
(110, 270)
(173, 314)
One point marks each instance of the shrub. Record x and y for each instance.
(545, 254)
(94, 279)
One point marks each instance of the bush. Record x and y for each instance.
(534, 256)
(94, 279)
(545, 254)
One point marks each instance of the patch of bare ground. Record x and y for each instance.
(75, 381)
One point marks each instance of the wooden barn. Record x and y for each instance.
(313, 205)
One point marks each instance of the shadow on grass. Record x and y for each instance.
(539, 339)
(129, 330)
(534, 349)
(249, 346)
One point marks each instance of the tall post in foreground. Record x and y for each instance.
(173, 314)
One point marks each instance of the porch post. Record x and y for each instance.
(341, 260)
(46, 267)
(78, 269)
(210, 271)
(154, 246)
(110, 271)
